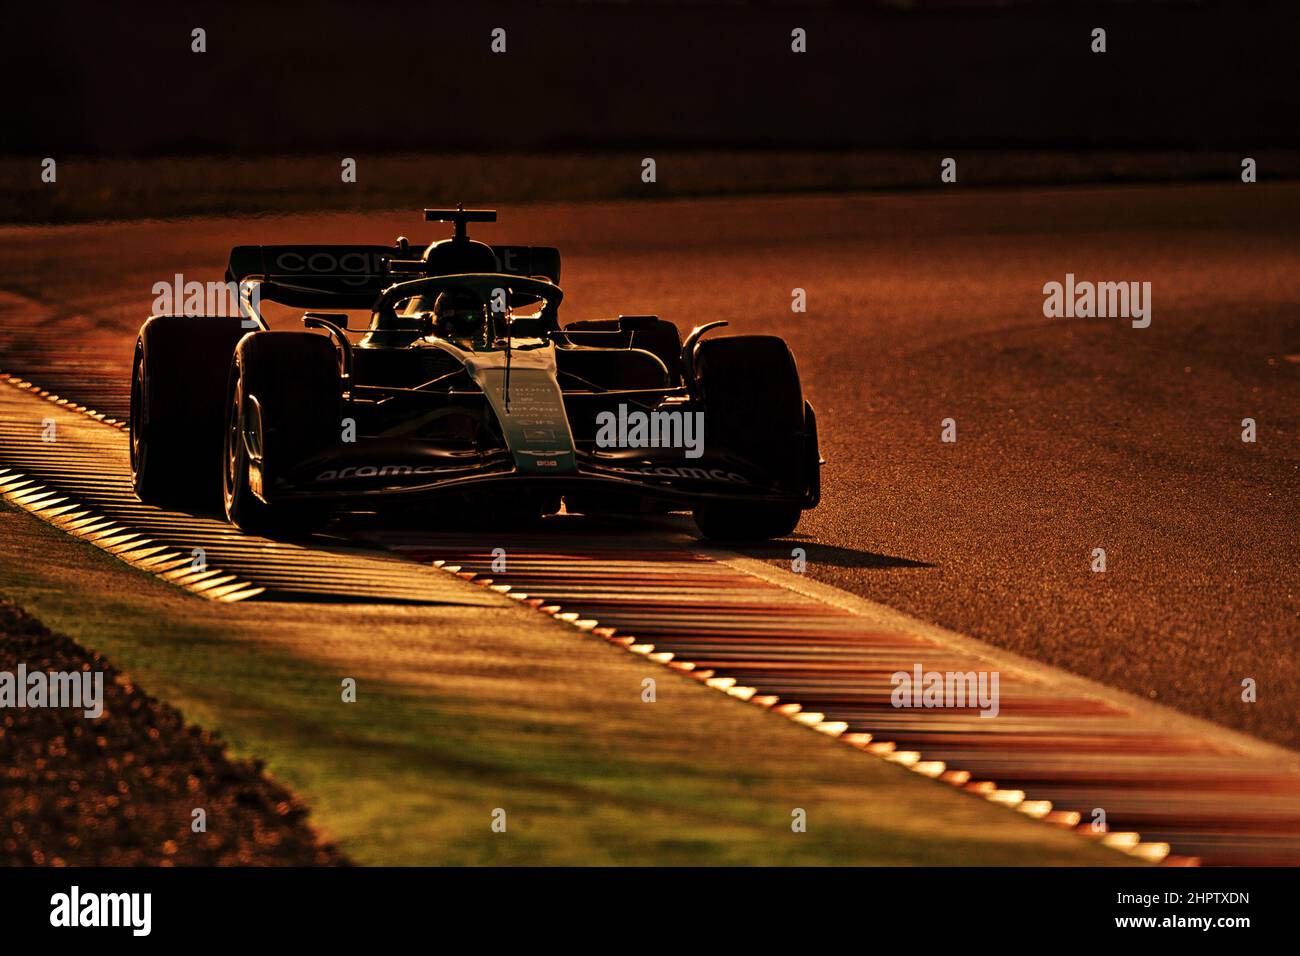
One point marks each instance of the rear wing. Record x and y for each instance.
(353, 276)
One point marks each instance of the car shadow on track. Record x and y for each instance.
(827, 554)
(621, 533)
(616, 530)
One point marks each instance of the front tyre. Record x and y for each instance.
(754, 407)
(283, 405)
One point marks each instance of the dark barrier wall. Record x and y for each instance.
(121, 79)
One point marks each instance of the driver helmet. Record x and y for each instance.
(458, 312)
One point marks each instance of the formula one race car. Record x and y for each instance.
(462, 392)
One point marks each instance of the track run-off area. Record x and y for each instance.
(1135, 776)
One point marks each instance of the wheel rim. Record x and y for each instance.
(137, 412)
(234, 446)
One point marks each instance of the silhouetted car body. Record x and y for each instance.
(463, 390)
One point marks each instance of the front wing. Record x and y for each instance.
(369, 473)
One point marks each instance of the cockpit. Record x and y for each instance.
(473, 312)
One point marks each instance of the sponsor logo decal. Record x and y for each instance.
(355, 267)
(695, 474)
(375, 471)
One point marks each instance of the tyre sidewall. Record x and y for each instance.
(294, 378)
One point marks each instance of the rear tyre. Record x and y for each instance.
(178, 389)
(284, 399)
(753, 407)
